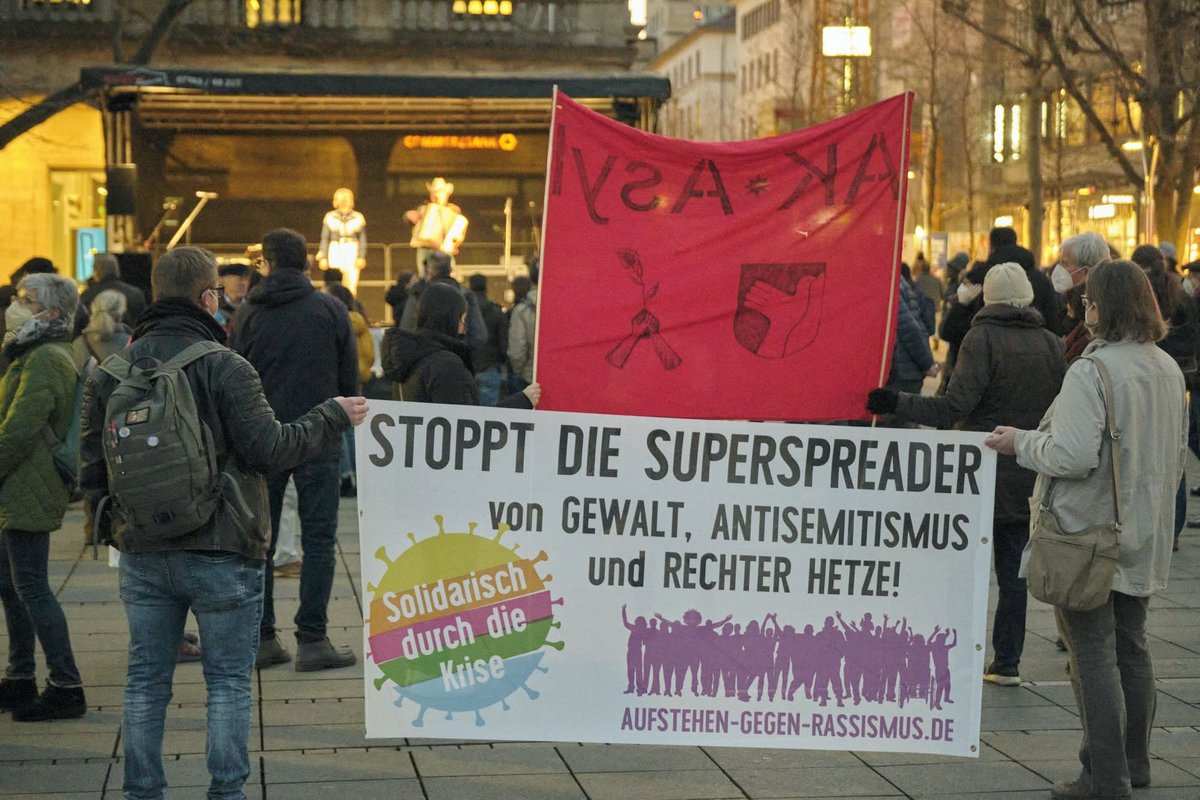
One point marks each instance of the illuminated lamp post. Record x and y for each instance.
(1149, 171)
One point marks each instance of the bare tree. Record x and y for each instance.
(68, 96)
(1149, 52)
(1017, 37)
(795, 41)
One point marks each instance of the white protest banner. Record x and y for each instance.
(578, 577)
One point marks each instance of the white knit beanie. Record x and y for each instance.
(1007, 283)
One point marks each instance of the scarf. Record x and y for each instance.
(35, 331)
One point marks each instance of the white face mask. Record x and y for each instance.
(1061, 278)
(15, 316)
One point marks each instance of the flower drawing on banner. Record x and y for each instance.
(643, 325)
(779, 307)
(458, 622)
(863, 661)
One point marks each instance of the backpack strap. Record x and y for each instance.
(193, 352)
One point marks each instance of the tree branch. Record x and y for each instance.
(958, 10)
(41, 111)
(1117, 58)
(66, 97)
(158, 31)
(1045, 30)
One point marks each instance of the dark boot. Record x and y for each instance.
(54, 703)
(17, 693)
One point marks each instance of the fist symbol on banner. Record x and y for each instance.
(779, 308)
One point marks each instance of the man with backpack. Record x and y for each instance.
(301, 342)
(177, 434)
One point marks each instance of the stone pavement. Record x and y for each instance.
(307, 740)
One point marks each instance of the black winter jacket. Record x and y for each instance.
(431, 367)
(249, 441)
(1008, 372)
(301, 343)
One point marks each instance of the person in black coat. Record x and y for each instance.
(106, 274)
(433, 365)
(1009, 368)
(958, 317)
(301, 343)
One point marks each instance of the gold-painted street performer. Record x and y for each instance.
(344, 239)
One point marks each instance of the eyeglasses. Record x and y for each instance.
(25, 298)
(1085, 300)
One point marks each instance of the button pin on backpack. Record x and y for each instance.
(123, 433)
(152, 441)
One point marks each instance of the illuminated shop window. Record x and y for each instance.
(28, 4)
(273, 13)
(1014, 137)
(998, 133)
(482, 8)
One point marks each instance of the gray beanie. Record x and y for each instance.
(1007, 283)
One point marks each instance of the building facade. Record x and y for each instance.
(276, 161)
(701, 67)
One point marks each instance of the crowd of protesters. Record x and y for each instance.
(1069, 369)
(1020, 364)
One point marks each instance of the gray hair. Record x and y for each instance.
(55, 292)
(105, 265)
(107, 309)
(1089, 248)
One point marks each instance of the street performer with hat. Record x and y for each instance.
(439, 225)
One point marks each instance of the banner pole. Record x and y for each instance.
(545, 213)
(894, 296)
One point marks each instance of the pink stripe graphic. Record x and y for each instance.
(387, 646)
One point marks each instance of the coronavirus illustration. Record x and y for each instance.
(458, 622)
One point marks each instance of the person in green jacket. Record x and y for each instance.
(37, 392)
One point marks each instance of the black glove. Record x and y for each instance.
(882, 401)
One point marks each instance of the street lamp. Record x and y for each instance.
(1149, 171)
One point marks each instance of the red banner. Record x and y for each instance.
(744, 280)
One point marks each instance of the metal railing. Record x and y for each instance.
(385, 261)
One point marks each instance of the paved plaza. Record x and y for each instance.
(307, 741)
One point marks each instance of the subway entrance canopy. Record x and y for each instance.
(308, 102)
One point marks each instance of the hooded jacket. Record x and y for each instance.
(431, 367)
(1008, 372)
(301, 343)
(911, 356)
(248, 439)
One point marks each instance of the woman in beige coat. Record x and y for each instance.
(1111, 670)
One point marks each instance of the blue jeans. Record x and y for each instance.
(31, 610)
(224, 591)
(317, 502)
(1008, 623)
(1194, 423)
(489, 382)
(346, 465)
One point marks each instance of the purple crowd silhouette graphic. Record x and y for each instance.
(860, 662)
